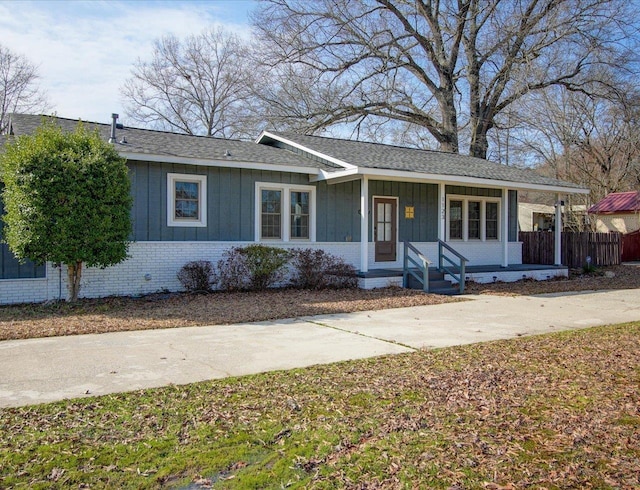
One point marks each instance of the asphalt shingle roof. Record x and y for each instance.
(149, 142)
(381, 156)
(141, 143)
(618, 202)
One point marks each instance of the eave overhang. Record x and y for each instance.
(399, 175)
(273, 167)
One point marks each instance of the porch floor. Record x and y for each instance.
(469, 270)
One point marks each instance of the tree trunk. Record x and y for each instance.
(479, 142)
(448, 136)
(74, 273)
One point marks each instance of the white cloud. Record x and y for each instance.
(85, 50)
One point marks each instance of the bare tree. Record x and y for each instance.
(18, 90)
(197, 86)
(451, 67)
(592, 141)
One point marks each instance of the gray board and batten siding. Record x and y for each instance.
(423, 197)
(12, 268)
(231, 204)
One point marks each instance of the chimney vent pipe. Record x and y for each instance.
(114, 122)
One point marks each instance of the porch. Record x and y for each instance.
(375, 278)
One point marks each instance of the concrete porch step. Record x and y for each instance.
(437, 284)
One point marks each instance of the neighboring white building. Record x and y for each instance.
(541, 217)
(619, 211)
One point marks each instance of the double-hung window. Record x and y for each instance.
(299, 206)
(186, 200)
(491, 220)
(455, 220)
(271, 214)
(285, 212)
(472, 218)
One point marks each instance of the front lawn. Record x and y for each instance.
(553, 411)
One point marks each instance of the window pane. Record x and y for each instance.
(187, 190)
(186, 209)
(300, 202)
(474, 210)
(492, 230)
(387, 213)
(455, 219)
(492, 210)
(271, 201)
(387, 232)
(300, 227)
(270, 226)
(474, 220)
(474, 230)
(492, 221)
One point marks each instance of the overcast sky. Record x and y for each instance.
(85, 50)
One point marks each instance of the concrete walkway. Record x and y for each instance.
(43, 370)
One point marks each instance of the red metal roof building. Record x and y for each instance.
(619, 211)
(618, 203)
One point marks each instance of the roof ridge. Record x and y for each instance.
(388, 145)
(108, 125)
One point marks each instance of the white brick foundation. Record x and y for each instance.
(153, 267)
(512, 276)
(24, 290)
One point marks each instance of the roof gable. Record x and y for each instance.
(618, 202)
(365, 155)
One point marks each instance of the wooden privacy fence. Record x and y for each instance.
(603, 248)
(631, 246)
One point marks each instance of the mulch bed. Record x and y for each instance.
(182, 310)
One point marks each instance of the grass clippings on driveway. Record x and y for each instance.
(553, 411)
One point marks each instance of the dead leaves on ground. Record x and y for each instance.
(182, 310)
(557, 411)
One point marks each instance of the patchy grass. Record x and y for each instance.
(553, 411)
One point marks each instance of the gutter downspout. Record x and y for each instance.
(364, 224)
(505, 227)
(558, 232)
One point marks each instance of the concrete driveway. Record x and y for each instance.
(50, 369)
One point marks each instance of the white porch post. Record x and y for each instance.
(505, 227)
(364, 224)
(558, 232)
(442, 212)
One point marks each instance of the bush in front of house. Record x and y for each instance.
(254, 267)
(197, 276)
(317, 269)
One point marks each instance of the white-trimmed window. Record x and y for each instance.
(186, 200)
(472, 218)
(285, 212)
